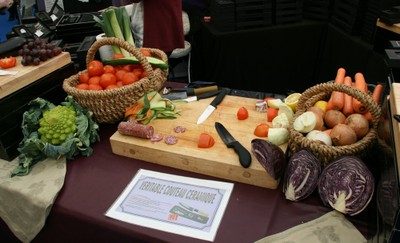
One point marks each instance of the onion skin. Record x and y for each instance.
(301, 176)
(270, 156)
(342, 135)
(347, 185)
(358, 123)
(334, 117)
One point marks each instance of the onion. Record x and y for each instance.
(321, 136)
(342, 134)
(318, 111)
(307, 122)
(334, 117)
(358, 123)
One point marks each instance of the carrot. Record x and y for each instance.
(336, 102)
(361, 84)
(328, 131)
(348, 99)
(132, 111)
(205, 141)
(377, 93)
(376, 96)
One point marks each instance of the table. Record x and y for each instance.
(93, 183)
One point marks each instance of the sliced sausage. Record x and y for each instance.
(156, 138)
(179, 129)
(135, 129)
(170, 140)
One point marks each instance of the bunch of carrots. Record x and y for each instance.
(348, 104)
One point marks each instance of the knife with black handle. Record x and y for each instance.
(231, 142)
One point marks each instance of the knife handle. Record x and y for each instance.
(203, 90)
(219, 98)
(244, 155)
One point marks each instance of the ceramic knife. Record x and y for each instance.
(202, 96)
(231, 142)
(210, 108)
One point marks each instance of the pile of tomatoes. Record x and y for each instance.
(104, 77)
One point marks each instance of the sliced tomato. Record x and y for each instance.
(262, 130)
(205, 141)
(8, 62)
(242, 113)
(272, 113)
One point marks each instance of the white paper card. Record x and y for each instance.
(176, 204)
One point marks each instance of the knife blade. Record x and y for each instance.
(231, 142)
(211, 107)
(202, 96)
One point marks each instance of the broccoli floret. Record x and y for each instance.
(57, 124)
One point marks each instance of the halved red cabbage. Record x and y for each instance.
(270, 156)
(346, 185)
(301, 176)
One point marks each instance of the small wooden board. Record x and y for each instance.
(219, 160)
(29, 74)
(395, 109)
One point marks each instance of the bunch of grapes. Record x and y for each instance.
(36, 51)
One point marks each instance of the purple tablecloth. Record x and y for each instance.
(93, 183)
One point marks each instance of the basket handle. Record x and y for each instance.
(323, 90)
(128, 47)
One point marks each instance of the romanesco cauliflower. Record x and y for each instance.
(57, 124)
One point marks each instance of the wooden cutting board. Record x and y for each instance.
(218, 161)
(395, 109)
(29, 74)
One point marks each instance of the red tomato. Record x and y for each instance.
(107, 79)
(84, 78)
(109, 69)
(272, 113)
(82, 86)
(268, 98)
(129, 78)
(117, 56)
(242, 113)
(145, 52)
(95, 68)
(261, 130)
(95, 87)
(8, 62)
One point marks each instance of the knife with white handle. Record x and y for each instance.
(207, 112)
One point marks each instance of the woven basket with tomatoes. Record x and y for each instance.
(108, 105)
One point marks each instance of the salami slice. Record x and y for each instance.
(156, 138)
(135, 129)
(179, 129)
(170, 140)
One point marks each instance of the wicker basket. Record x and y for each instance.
(324, 152)
(108, 106)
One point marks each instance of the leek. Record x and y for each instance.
(115, 22)
(126, 26)
(112, 17)
(105, 25)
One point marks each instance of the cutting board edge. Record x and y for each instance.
(395, 109)
(235, 173)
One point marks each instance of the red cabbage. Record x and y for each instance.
(270, 156)
(346, 185)
(301, 176)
